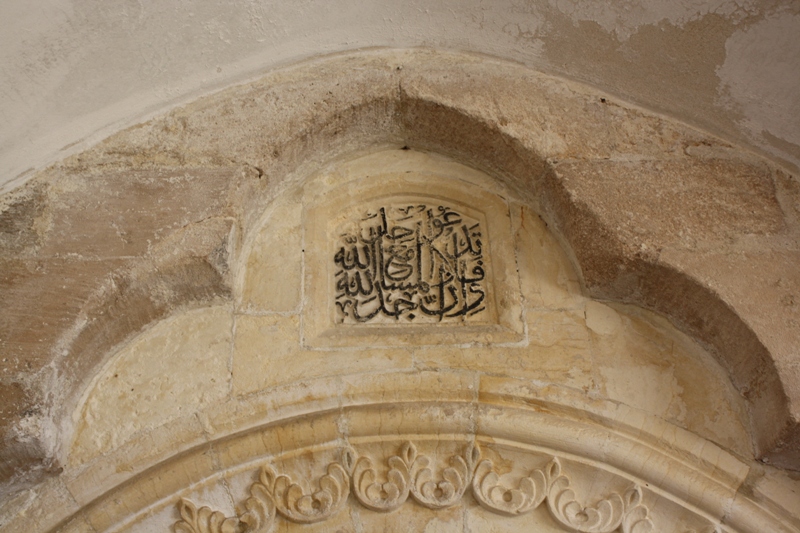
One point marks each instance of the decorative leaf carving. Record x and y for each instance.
(258, 511)
(604, 517)
(410, 473)
(450, 488)
(636, 518)
(203, 520)
(496, 497)
(388, 495)
(292, 502)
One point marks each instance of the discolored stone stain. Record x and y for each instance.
(19, 217)
(23, 456)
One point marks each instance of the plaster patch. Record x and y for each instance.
(760, 77)
(626, 17)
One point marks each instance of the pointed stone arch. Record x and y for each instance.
(556, 147)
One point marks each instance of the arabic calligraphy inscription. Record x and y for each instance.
(410, 263)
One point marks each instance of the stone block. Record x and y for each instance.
(41, 300)
(547, 277)
(558, 350)
(113, 214)
(176, 368)
(686, 203)
(641, 360)
(274, 267)
(268, 354)
(417, 386)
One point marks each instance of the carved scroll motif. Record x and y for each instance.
(418, 263)
(496, 497)
(203, 520)
(609, 514)
(392, 493)
(455, 480)
(604, 517)
(412, 474)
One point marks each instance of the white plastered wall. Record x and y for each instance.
(73, 71)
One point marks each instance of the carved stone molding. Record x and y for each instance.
(434, 486)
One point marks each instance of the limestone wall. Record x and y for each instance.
(596, 288)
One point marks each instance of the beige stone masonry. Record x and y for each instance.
(176, 360)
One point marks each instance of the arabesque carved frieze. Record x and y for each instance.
(411, 475)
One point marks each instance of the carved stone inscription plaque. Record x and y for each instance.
(409, 259)
(410, 263)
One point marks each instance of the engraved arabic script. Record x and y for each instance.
(410, 262)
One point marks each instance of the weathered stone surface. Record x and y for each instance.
(21, 219)
(41, 300)
(638, 363)
(620, 261)
(770, 301)
(274, 268)
(547, 277)
(275, 126)
(113, 214)
(137, 303)
(302, 446)
(636, 359)
(530, 113)
(81, 292)
(24, 454)
(178, 366)
(22, 512)
(644, 212)
(788, 188)
(685, 203)
(268, 353)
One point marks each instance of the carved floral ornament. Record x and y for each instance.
(410, 474)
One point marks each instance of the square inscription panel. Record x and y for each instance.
(411, 260)
(414, 260)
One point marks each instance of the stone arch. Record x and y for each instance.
(439, 104)
(285, 402)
